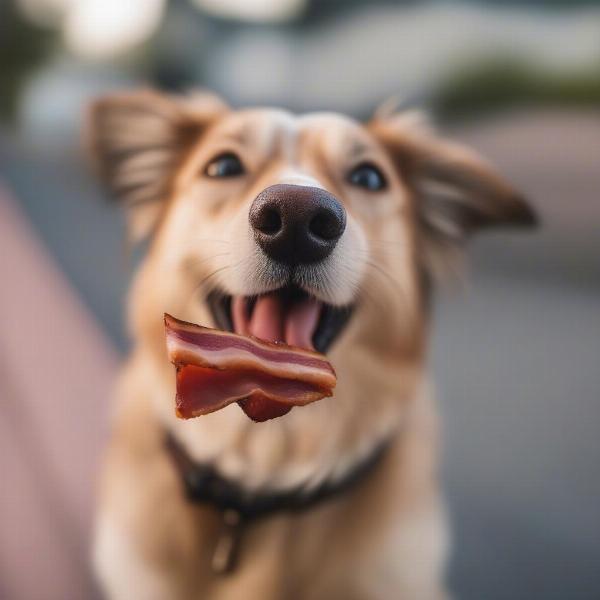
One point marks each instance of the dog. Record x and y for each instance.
(362, 217)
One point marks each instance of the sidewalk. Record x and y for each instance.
(56, 372)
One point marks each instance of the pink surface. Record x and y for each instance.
(56, 373)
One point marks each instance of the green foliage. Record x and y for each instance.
(22, 48)
(542, 4)
(509, 83)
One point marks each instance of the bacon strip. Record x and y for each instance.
(216, 368)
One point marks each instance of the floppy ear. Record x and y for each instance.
(456, 192)
(137, 141)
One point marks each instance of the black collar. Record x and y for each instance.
(203, 484)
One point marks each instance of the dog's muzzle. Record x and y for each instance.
(297, 229)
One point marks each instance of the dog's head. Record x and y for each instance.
(340, 224)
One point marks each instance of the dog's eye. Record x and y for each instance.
(367, 176)
(224, 165)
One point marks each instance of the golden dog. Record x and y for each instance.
(402, 202)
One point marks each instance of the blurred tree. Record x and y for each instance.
(541, 3)
(506, 83)
(22, 48)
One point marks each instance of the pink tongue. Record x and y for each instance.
(301, 322)
(267, 322)
(271, 321)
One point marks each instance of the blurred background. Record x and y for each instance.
(516, 350)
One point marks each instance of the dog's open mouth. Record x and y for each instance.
(270, 362)
(287, 315)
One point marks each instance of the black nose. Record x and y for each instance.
(297, 224)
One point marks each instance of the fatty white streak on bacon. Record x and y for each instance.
(190, 344)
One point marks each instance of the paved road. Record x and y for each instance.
(517, 362)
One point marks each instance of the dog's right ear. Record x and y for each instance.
(137, 141)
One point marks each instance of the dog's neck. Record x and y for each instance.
(205, 485)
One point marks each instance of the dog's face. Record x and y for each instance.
(335, 223)
(306, 207)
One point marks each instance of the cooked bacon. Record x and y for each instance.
(216, 368)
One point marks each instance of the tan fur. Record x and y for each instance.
(386, 538)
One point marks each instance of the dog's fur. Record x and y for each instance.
(385, 538)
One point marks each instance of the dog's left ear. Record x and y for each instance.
(137, 141)
(456, 192)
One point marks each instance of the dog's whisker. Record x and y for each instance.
(381, 302)
(367, 295)
(213, 240)
(387, 277)
(212, 285)
(378, 269)
(384, 252)
(388, 242)
(212, 274)
(194, 262)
